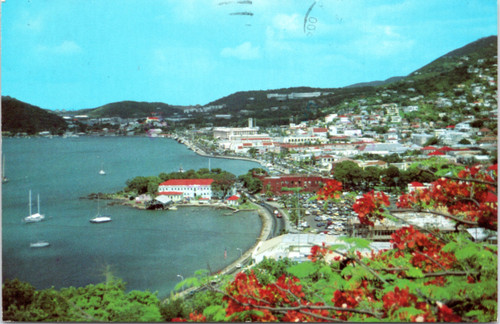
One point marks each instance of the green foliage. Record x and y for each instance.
(432, 141)
(302, 270)
(19, 117)
(349, 173)
(105, 302)
(215, 313)
(252, 183)
(138, 185)
(223, 180)
(268, 270)
(173, 308)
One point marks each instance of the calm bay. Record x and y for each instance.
(149, 250)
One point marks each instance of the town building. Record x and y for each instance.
(173, 196)
(229, 132)
(233, 200)
(278, 185)
(190, 188)
(297, 247)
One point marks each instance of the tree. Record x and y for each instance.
(253, 152)
(371, 177)
(349, 173)
(427, 276)
(104, 302)
(138, 185)
(432, 141)
(223, 182)
(391, 176)
(252, 183)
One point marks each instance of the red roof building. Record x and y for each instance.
(435, 153)
(187, 182)
(278, 185)
(190, 188)
(170, 193)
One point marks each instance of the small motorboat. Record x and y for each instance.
(100, 219)
(39, 244)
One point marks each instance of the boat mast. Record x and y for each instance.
(38, 202)
(30, 202)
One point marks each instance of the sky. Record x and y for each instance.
(60, 54)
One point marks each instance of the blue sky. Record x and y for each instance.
(61, 54)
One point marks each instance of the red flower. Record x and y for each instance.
(370, 207)
(331, 189)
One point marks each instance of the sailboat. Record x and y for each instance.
(4, 178)
(37, 217)
(98, 217)
(102, 172)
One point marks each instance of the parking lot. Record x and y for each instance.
(316, 217)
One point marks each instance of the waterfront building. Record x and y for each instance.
(233, 200)
(229, 132)
(190, 188)
(173, 196)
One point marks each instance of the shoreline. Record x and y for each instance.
(266, 229)
(199, 151)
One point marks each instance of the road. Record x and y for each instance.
(278, 224)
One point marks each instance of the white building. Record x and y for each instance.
(229, 132)
(298, 246)
(190, 188)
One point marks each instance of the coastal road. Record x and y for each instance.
(278, 224)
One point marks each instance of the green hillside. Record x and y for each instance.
(21, 117)
(484, 48)
(131, 109)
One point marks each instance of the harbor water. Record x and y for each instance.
(149, 250)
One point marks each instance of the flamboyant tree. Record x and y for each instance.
(427, 276)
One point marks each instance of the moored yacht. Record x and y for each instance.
(100, 218)
(36, 217)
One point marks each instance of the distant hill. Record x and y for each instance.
(484, 48)
(375, 83)
(21, 117)
(131, 109)
(440, 75)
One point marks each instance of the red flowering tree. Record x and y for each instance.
(427, 276)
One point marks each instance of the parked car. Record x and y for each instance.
(320, 224)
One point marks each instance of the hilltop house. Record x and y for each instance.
(189, 188)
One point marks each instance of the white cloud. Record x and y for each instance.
(65, 48)
(244, 51)
(288, 23)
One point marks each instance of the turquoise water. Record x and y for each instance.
(147, 249)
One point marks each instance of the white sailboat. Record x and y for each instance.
(98, 217)
(4, 178)
(102, 172)
(37, 217)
